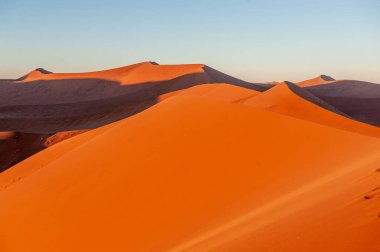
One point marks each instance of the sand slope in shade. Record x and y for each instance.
(358, 99)
(291, 100)
(195, 174)
(17, 146)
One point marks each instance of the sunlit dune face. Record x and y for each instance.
(220, 91)
(138, 73)
(202, 162)
(320, 80)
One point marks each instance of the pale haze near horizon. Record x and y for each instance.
(252, 40)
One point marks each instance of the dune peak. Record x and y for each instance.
(287, 83)
(43, 71)
(319, 80)
(326, 77)
(35, 74)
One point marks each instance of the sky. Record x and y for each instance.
(254, 40)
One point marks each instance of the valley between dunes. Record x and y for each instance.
(155, 157)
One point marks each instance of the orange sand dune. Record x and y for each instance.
(137, 73)
(220, 91)
(291, 100)
(319, 80)
(358, 99)
(44, 102)
(197, 174)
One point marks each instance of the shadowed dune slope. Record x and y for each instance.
(44, 102)
(197, 174)
(358, 99)
(292, 100)
(17, 146)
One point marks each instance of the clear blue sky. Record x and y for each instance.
(255, 40)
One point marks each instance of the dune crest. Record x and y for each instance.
(289, 99)
(38, 73)
(319, 80)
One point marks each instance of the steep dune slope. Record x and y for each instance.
(358, 99)
(196, 174)
(292, 100)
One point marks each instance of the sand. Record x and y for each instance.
(214, 166)
(43, 102)
(319, 80)
(288, 99)
(358, 99)
(205, 164)
(17, 146)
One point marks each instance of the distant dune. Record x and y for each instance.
(292, 100)
(320, 80)
(358, 99)
(45, 102)
(185, 158)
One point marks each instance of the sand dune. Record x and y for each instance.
(220, 91)
(17, 146)
(187, 158)
(44, 102)
(195, 174)
(358, 99)
(292, 100)
(319, 80)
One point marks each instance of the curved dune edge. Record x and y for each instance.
(220, 91)
(194, 173)
(283, 100)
